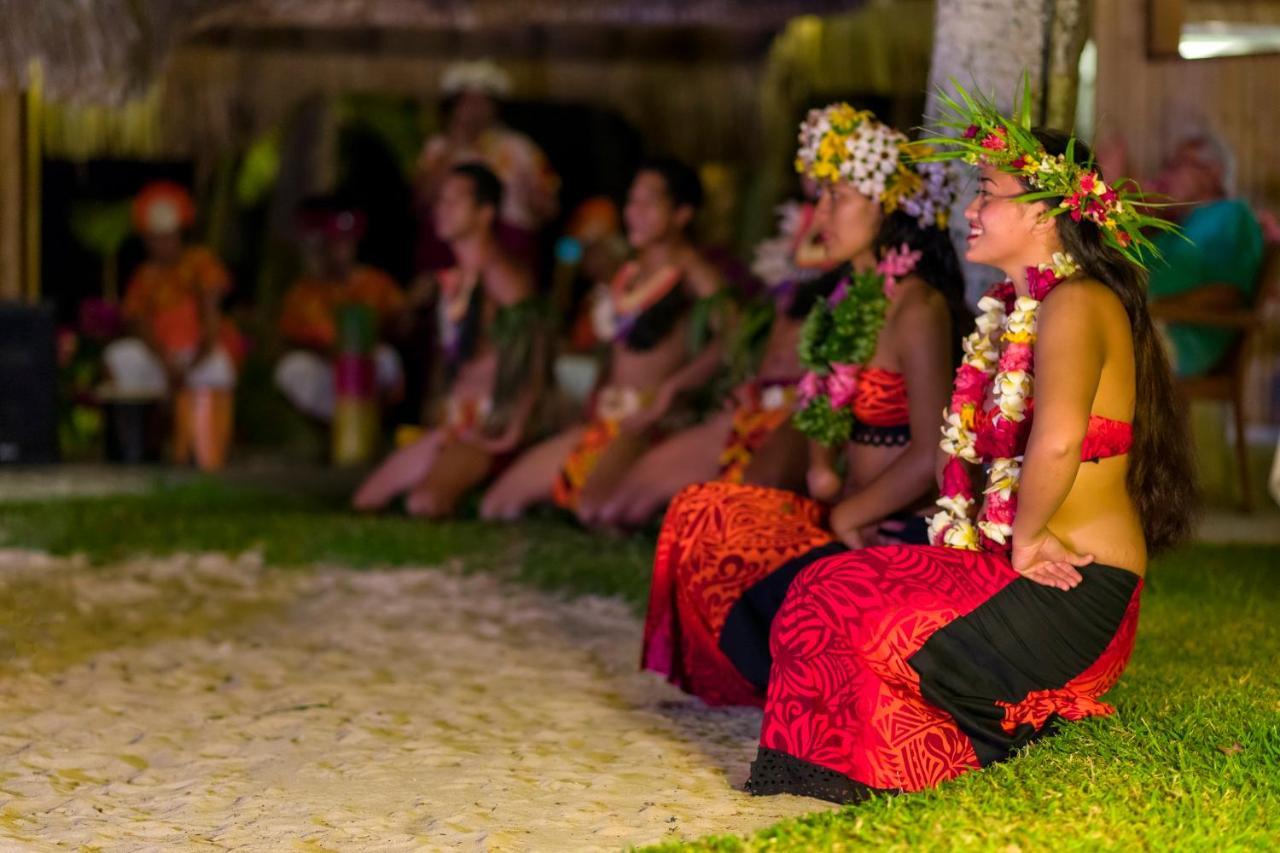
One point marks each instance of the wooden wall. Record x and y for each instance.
(1150, 101)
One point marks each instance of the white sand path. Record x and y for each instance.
(380, 710)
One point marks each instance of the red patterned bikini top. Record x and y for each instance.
(882, 398)
(1103, 437)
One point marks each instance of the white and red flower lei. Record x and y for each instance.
(1010, 320)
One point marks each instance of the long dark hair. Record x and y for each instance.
(1162, 477)
(939, 266)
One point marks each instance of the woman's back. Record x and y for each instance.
(1097, 516)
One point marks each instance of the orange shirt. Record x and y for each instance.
(166, 299)
(308, 317)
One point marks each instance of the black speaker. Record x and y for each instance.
(28, 385)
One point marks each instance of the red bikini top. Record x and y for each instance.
(1103, 437)
(882, 398)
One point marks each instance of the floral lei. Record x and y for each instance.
(1010, 320)
(839, 337)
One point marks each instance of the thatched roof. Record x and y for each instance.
(106, 51)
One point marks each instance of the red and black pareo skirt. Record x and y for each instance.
(898, 668)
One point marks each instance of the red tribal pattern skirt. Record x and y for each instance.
(897, 668)
(717, 540)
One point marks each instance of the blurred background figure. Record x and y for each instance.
(330, 232)
(474, 134)
(180, 346)
(492, 351)
(1216, 268)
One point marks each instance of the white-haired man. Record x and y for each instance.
(474, 134)
(1216, 267)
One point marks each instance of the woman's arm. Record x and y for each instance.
(1069, 353)
(921, 336)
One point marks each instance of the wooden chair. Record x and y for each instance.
(1226, 382)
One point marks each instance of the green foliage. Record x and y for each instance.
(259, 169)
(823, 423)
(843, 334)
(102, 226)
(846, 333)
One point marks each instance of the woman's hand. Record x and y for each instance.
(846, 527)
(1044, 559)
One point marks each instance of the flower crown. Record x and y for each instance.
(839, 143)
(989, 138)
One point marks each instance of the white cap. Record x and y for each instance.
(478, 76)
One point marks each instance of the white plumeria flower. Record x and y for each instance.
(957, 506)
(938, 522)
(1001, 533)
(992, 307)
(1004, 476)
(773, 398)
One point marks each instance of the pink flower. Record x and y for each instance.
(1110, 196)
(1040, 282)
(897, 263)
(955, 479)
(1017, 356)
(998, 509)
(842, 385)
(994, 142)
(971, 131)
(970, 387)
(809, 387)
(1088, 181)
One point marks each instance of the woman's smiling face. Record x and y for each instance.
(1001, 230)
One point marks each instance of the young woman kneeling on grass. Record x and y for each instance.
(898, 668)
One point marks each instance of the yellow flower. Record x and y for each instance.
(962, 535)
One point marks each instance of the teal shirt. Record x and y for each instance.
(1225, 248)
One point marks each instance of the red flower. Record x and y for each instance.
(1004, 291)
(999, 437)
(971, 131)
(1040, 282)
(994, 142)
(1088, 181)
(970, 387)
(1124, 238)
(955, 479)
(1110, 196)
(1020, 162)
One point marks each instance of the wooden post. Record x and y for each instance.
(12, 249)
(31, 182)
(20, 193)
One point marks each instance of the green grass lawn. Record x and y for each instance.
(1192, 760)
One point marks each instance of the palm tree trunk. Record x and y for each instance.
(987, 46)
